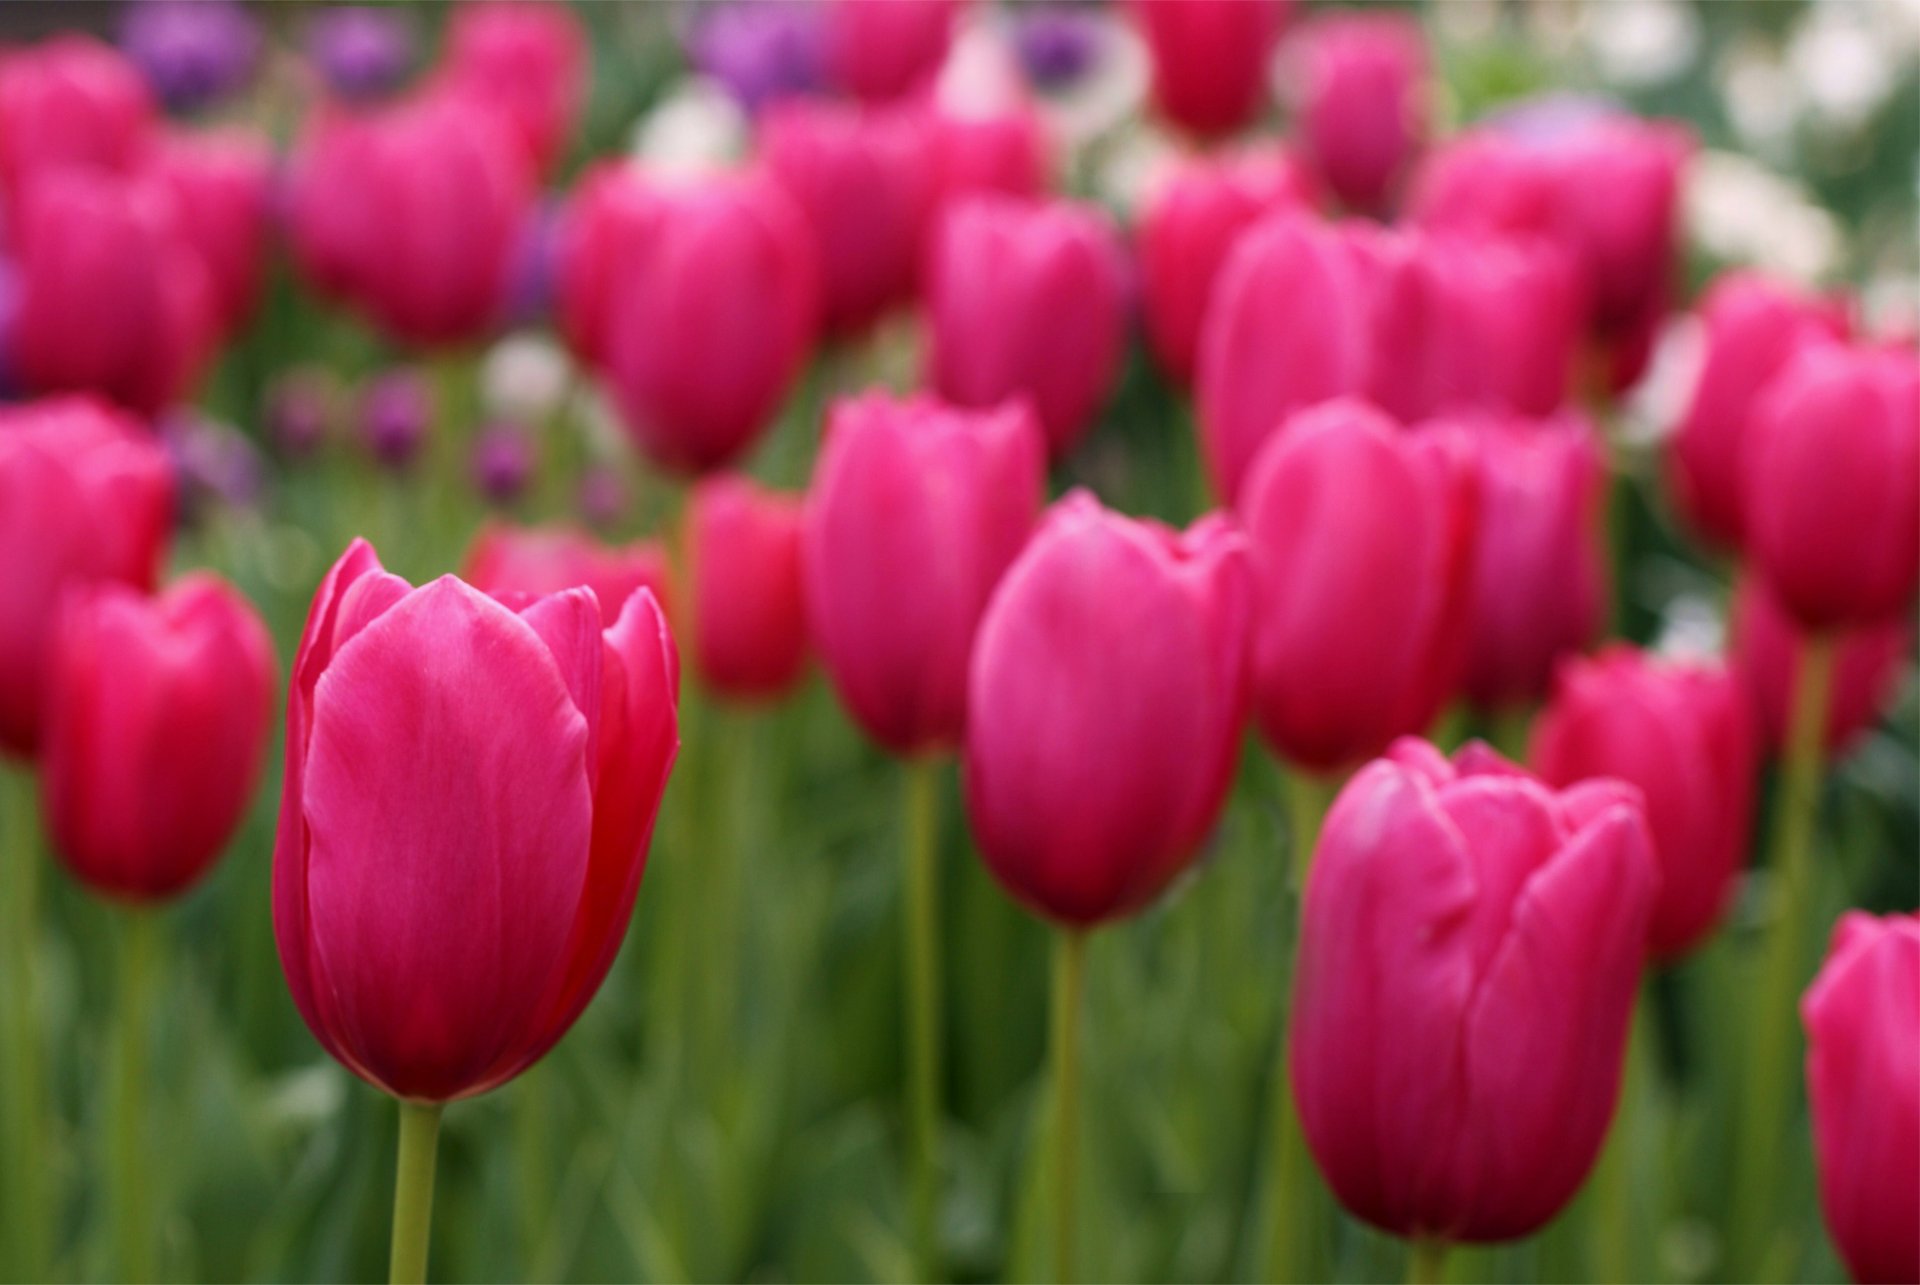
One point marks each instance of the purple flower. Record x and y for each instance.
(761, 50)
(1545, 119)
(602, 498)
(214, 462)
(503, 460)
(395, 411)
(297, 411)
(194, 53)
(1057, 44)
(360, 50)
(535, 259)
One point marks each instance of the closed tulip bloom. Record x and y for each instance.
(1832, 484)
(864, 179)
(1003, 148)
(1540, 571)
(1470, 947)
(509, 562)
(1363, 103)
(749, 607)
(1048, 323)
(70, 102)
(1363, 540)
(879, 50)
(470, 790)
(915, 511)
(85, 495)
(1188, 224)
(1867, 664)
(1863, 1087)
(157, 714)
(222, 183)
(1210, 59)
(1681, 732)
(603, 218)
(527, 60)
(1105, 701)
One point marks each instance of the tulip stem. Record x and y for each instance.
(1069, 984)
(1306, 805)
(1774, 1063)
(413, 1192)
(29, 1220)
(1426, 1261)
(1292, 1172)
(130, 1160)
(922, 926)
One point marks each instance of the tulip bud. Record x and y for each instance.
(527, 61)
(396, 411)
(194, 53)
(298, 411)
(362, 52)
(157, 713)
(1540, 568)
(1210, 59)
(85, 496)
(1363, 103)
(1682, 734)
(915, 511)
(1002, 149)
(1832, 484)
(1363, 542)
(470, 790)
(70, 102)
(1105, 704)
(1048, 323)
(1863, 1087)
(504, 459)
(222, 182)
(762, 53)
(1188, 225)
(880, 50)
(749, 607)
(1867, 665)
(1470, 948)
(864, 181)
(526, 562)
(1753, 327)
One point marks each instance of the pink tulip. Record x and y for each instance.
(157, 713)
(916, 510)
(1363, 542)
(1867, 665)
(603, 219)
(1682, 734)
(864, 179)
(85, 496)
(1470, 948)
(1863, 1086)
(470, 790)
(532, 562)
(70, 102)
(529, 61)
(1831, 484)
(1363, 102)
(222, 183)
(1210, 59)
(1187, 227)
(749, 607)
(1000, 150)
(880, 50)
(1540, 574)
(1105, 701)
(1048, 323)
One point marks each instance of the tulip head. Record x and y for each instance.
(1363, 103)
(70, 102)
(527, 61)
(222, 182)
(508, 561)
(749, 609)
(883, 51)
(1867, 664)
(1210, 59)
(1001, 150)
(1470, 947)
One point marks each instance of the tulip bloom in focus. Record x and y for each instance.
(70, 102)
(1867, 663)
(1363, 102)
(1470, 948)
(1105, 702)
(1682, 734)
(1210, 59)
(1863, 1086)
(508, 561)
(527, 61)
(85, 495)
(749, 610)
(157, 713)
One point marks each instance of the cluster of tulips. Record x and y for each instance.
(1400, 347)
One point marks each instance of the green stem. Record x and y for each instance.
(1306, 804)
(29, 1216)
(413, 1192)
(1426, 1261)
(920, 923)
(1069, 984)
(130, 1158)
(1292, 1219)
(533, 1126)
(1613, 1226)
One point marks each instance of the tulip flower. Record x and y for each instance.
(509, 562)
(1470, 947)
(1867, 664)
(1210, 59)
(1363, 540)
(132, 682)
(1540, 570)
(1362, 103)
(1682, 734)
(998, 148)
(221, 182)
(1187, 226)
(1049, 323)
(361, 52)
(749, 609)
(528, 61)
(762, 53)
(195, 54)
(1863, 1087)
(879, 50)
(470, 791)
(85, 495)
(1753, 327)
(70, 102)
(864, 179)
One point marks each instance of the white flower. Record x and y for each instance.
(524, 377)
(695, 129)
(1741, 212)
(1845, 66)
(1640, 43)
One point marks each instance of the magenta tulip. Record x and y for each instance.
(1363, 102)
(879, 50)
(1210, 59)
(1470, 948)
(1003, 149)
(1363, 540)
(532, 562)
(157, 712)
(916, 510)
(222, 183)
(1683, 735)
(1867, 665)
(749, 607)
(604, 219)
(85, 495)
(1106, 701)
(470, 790)
(1863, 1086)
(526, 60)
(1048, 323)
(70, 102)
